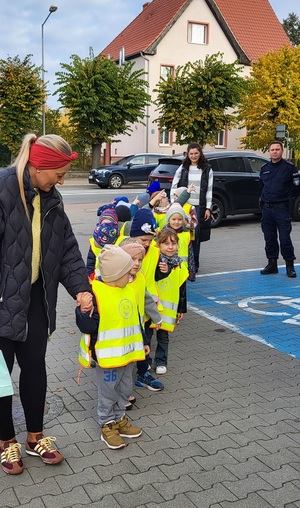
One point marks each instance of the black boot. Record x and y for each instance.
(290, 270)
(270, 268)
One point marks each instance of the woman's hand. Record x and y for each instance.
(207, 214)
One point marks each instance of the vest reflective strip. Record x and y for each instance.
(84, 356)
(118, 351)
(119, 333)
(184, 259)
(169, 305)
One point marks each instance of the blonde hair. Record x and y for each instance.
(50, 140)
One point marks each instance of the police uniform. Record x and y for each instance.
(277, 181)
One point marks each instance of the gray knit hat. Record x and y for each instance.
(114, 262)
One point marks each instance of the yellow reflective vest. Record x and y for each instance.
(96, 251)
(119, 339)
(169, 293)
(184, 239)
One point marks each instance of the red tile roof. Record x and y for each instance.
(250, 25)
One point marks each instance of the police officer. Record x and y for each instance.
(277, 178)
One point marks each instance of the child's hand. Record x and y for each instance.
(147, 350)
(179, 317)
(163, 267)
(136, 201)
(191, 188)
(85, 301)
(158, 325)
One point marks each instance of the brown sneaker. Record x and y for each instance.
(111, 437)
(11, 460)
(44, 448)
(128, 430)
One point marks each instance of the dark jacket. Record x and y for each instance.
(61, 259)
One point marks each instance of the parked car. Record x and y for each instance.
(133, 168)
(236, 188)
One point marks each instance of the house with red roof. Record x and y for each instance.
(169, 33)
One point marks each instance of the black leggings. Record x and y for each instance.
(30, 356)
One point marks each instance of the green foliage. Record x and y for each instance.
(272, 98)
(22, 93)
(102, 98)
(195, 102)
(291, 25)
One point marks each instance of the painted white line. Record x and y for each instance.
(228, 325)
(238, 271)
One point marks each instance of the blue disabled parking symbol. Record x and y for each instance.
(262, 307)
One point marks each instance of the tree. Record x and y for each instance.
(272, 98)
(291, 25)
(102, 99)
(22, 93)
(195, 102)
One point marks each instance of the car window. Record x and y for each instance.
(153, 159)
(214, 164)
(139, 159)
(256, 163)
(232, 164)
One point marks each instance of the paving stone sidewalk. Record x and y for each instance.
(224, 432)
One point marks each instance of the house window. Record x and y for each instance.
(197, 33)
(220, 139)
(166, 71)
(164, 137)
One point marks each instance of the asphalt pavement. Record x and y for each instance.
(225, 430)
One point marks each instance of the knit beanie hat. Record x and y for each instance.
(123, 213)
(134, 248)
(175, 208)
(153, 187)
(120, 198)
(114, 262)
(179, 190)
(108, 213)
(144, 199)
(143, 223)
(106, 233)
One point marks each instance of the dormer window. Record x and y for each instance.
(197, 33)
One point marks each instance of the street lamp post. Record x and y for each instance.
(52, 8)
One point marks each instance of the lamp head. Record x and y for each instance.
(52, 8)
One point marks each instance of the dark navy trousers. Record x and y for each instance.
(277, 222)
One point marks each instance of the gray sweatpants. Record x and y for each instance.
(114, 387)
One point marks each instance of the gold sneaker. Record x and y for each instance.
(111, 437)
(128, 430)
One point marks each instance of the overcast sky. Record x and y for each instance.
(76, 26)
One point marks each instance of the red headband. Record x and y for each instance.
(44, 157)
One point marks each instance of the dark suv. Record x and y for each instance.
(133, 168)
(236, 188)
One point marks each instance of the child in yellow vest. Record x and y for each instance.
(115, 327)
(172, 293)
(147, 306)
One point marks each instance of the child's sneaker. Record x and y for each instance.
(111, 437)
(11, 460)
(149, 382)
(161, 369)
(128, 430)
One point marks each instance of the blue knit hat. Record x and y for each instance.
(143, 223)
(153, 187)
(120, 198)
(106, 233)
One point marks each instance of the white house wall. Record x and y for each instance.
(174, 50)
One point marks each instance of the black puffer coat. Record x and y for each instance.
(61, 259)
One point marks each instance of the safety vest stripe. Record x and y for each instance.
(169, 305)
(119, 333)
(184, 259)
(118, 351)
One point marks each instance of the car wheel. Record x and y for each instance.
(217, 213)
(115, 182)
(296, 209)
